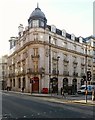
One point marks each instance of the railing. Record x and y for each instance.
(66, 60)
(54, 72)
(54, 58)
(66, 73)
(83, 64)
(89, 65)
(39, 71)
(23, 72)
(75, 62)
(11, 75)
(29, 70)
(82, 74)
(35, 56)
(75, 74)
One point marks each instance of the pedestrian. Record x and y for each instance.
(61, 90)
(63, 93)
(22, 89)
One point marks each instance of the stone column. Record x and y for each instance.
(16, 83)
(21, 82)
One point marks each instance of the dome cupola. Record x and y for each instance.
(37, 18)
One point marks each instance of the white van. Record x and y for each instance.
(83, 88)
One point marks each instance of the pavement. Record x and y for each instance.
(68, 98)
(61, 99)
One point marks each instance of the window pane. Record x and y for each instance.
(35, 23)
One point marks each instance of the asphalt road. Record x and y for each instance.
(23, 106)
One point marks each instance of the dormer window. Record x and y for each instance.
(80, 39)
(63, 33)
(42, 24)
(35, 23)
(72, 36)
(53, 28)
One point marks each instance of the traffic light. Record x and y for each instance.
(84, 78)
(89, 76)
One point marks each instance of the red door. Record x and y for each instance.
(35, 84)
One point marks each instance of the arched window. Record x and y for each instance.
(53, 28)
(72, 36)
(80, 39)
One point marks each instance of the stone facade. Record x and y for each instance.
(3, 72)
(43, 56)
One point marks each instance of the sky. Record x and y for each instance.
(75, 16)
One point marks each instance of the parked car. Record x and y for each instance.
(83, 88)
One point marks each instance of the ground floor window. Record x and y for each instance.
(11, 83)
(74, 84)
(14, 82)
(54, 84)
(24, 82)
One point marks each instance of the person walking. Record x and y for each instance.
(63, 93)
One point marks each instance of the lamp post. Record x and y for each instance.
(85, 77)
(49, 63)
(86, 71)
(57, 72)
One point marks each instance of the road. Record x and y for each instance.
(23, 106)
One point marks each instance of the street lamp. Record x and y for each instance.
(49, 63)
(86, 71)
(57, 72)
(86, 39)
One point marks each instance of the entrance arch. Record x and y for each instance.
(65, 84)
(54, 84)
(74, 84)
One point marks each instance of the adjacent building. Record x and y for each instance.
(3, 72)
(43, 56)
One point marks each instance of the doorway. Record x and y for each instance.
(35, 85)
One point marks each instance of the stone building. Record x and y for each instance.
(43, 56)
(3, 72)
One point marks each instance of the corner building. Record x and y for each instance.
(43, 56)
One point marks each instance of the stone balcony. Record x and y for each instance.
(75, 74)
(66, 60)
(66, 73)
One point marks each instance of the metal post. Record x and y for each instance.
(57, 70)
(49, 61)
(86, 72)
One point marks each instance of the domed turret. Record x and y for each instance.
(37, 18)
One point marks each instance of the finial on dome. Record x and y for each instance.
(37, 5)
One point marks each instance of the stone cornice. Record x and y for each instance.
(52, 46)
